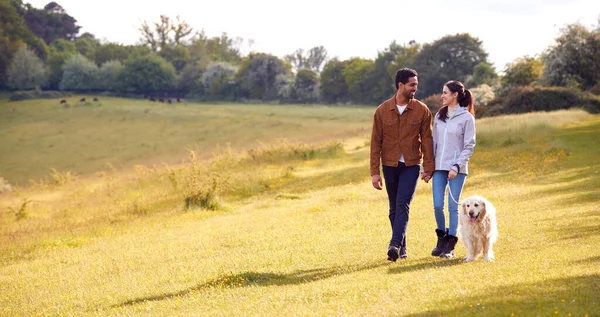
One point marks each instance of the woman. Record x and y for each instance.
(453, 144)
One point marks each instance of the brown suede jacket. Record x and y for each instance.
(409, 134)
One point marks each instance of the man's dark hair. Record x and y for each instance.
(403, 74)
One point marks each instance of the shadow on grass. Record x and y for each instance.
(251, 278)
(433, 263)
(572, 296)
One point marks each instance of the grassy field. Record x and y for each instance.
(292, 228)
(40, 135)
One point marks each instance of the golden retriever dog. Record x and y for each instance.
(478, 228)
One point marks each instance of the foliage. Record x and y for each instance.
(333, 82)
(313, 59)
(218, 81)
(522, 72)
(112, 51)
(148, 74)
(108, 76)
(14, 33)
(190, 80)
(483, 95)
(204, 50)
(79, 74)
(453, 57)
(575, 56)
(257, 76)
(527, 99)
(177, 55)
(200, 190)
(483, 74)
(86, 45)
(51, 23)
(166, 33)
(60, 51)
(433, 102)
(27, 71)
(307, 86)
(357, 74)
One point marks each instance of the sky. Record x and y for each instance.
(508, 29)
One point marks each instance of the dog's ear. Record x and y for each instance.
(464, 208)
(484, 209)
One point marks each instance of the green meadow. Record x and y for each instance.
(130, 208)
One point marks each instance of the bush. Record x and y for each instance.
(36, 94)
(434, 102)
(591, 103)
(527, 99)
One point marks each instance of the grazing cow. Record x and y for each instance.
(82, 100)
(95, 98)
(169, 101)
(63, 101)
(178, 99)
(152, 99)
(161, 100)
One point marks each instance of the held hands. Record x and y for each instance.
(425, 177)
(376, 181)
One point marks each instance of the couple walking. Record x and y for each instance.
(402, 139)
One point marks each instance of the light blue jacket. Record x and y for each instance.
(454, 141)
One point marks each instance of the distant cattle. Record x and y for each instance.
(161, 100)
(169, 101)
(152, 99)
(82, 100)
(63, 101)
(95, 98)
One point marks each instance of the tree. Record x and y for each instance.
(204, 50)
(14, 33)
(317, 56)
(178, 55)
(483, 95)
(86, 45)
(357, 74)
(575, 58)
(79, 74)
(218, 80)
(333, 82)
(521, 72)
(108, 76)
(313, 59)
(257, 76)
(451, 57)
(483, 74)
(190, 80)
(165, 34)
(60, 51)
(113, 51)
(51, 23)
(27, 71)
(148, 74)
(307, 86)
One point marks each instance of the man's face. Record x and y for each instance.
(409, 89)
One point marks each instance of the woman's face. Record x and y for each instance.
(449, 98)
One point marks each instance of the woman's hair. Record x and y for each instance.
(465, 98)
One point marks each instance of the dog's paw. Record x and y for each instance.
(488, 258)
(469, 259)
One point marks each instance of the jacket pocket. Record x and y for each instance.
(390, 128)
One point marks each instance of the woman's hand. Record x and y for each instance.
(452, 174)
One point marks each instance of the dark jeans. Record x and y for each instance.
(400, 184)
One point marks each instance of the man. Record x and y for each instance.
(400, 141)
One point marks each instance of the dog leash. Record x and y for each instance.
(450, 192)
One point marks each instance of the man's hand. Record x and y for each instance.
(425, 177)
(376, 181)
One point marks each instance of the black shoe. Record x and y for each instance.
(448, 251)
(403, 254)
(441, 242)
(393, 253)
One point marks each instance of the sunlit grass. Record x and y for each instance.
(301, 231)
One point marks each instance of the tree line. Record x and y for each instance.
(42, 49)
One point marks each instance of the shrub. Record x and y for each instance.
(526, 99)
(434, 102)
(35, 94)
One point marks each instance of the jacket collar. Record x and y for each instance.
(391, 104)
(459, 111)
